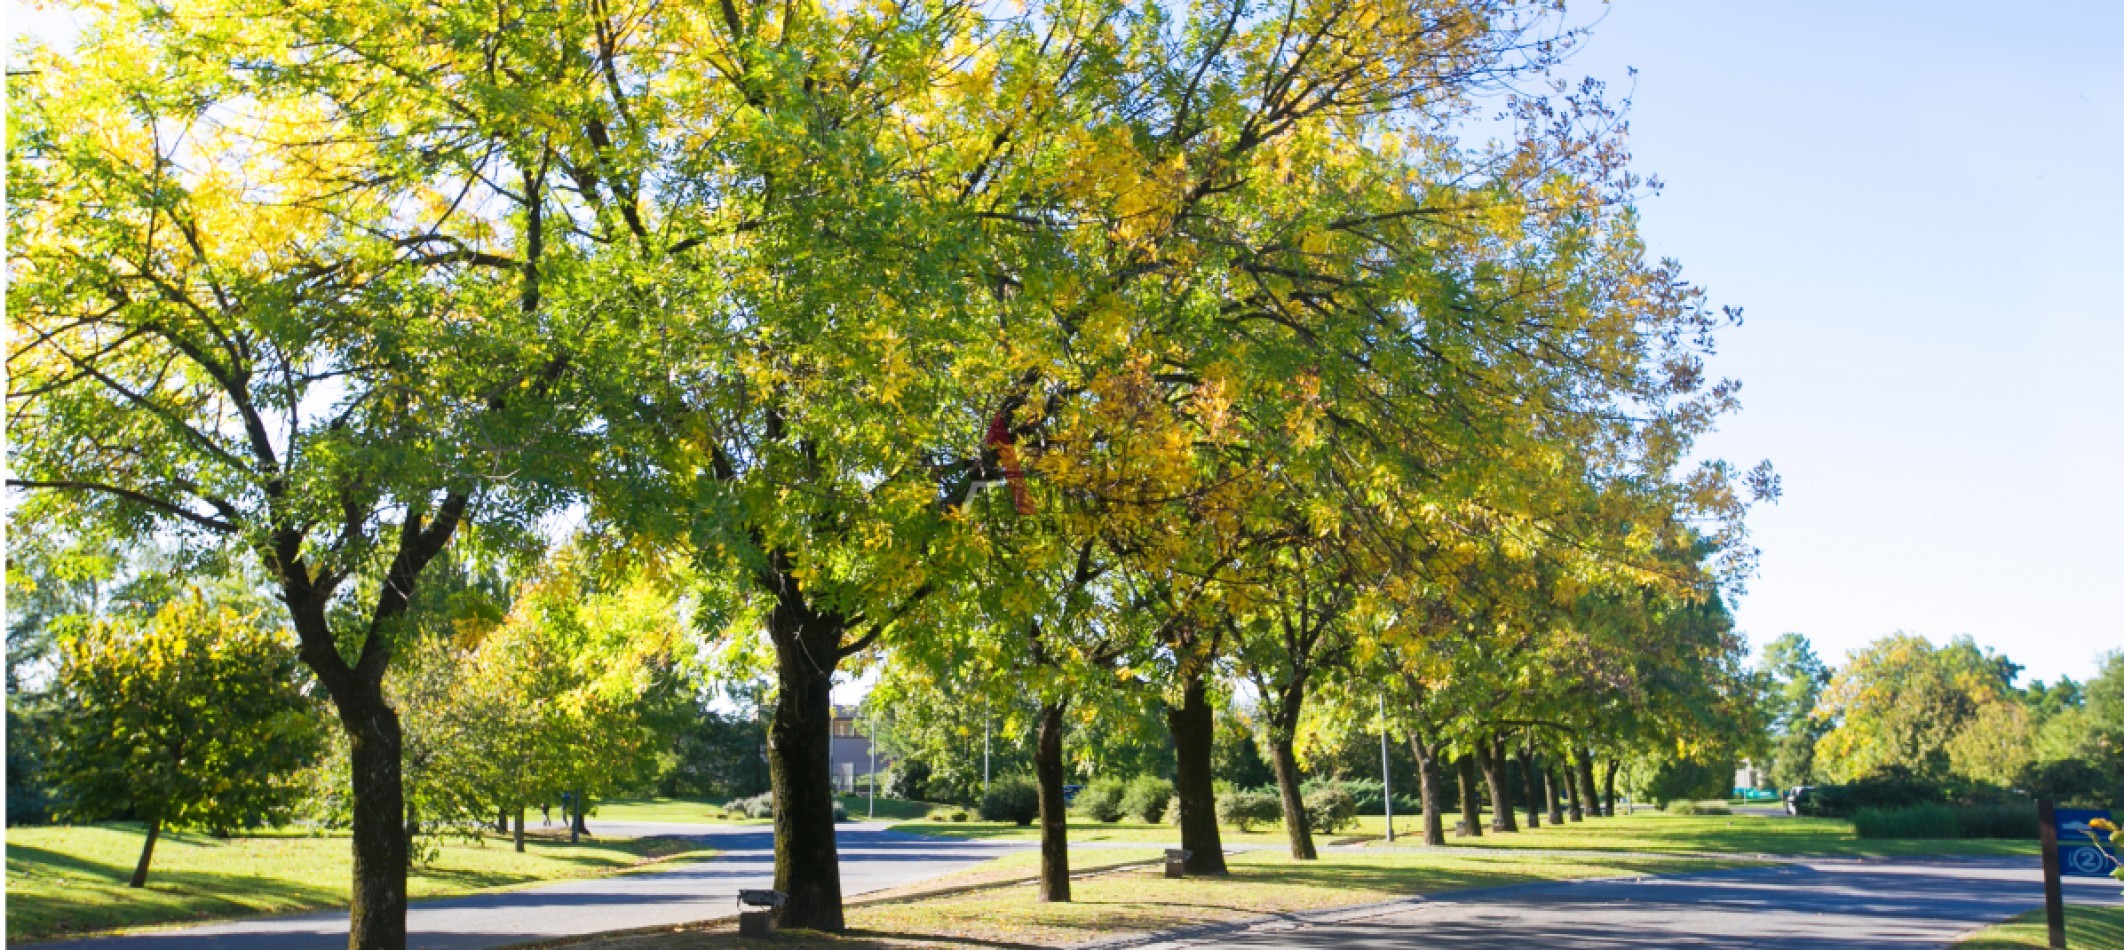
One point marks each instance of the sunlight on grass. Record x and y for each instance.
(71, 880)
(2084, 927)
(1647, 831)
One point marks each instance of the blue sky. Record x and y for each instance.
(1919, 205)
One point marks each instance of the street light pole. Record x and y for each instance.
(984, 747)
(1386, 771)
(873, 764)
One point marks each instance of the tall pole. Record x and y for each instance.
(2053, 889)
(1386, 771)
(873, 763)
(984, 747)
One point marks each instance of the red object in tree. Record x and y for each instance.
(1005, 443)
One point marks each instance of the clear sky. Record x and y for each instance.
(1921, 207)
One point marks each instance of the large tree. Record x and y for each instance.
(264, 305)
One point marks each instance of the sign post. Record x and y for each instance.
(2069, 847)
(2053, 890)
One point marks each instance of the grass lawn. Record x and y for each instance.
(2085, 926)
(71, 880)
(1139, 901)
(710, 810)
(1644, 831)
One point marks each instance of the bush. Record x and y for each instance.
(1933, 820)
(1101, 800)
(908, 781)
(1697, 808)
(1244, 810)
(1147, 798)
(1370, 796)
(757, 806)
(1886, 791)
(1014, 799)
(1330, 809)
(840, 810)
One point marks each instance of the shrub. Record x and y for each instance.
(1014, 799)
(840, 810)
(1892, 789)
(1101, 800)
(1330, 809)
(757, 806)
(1147, 798)
(1697, 808)
(908, 781)
(1244, 810)
(1932, 820)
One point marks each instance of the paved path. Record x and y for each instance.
(1813, 904)
(872, 859)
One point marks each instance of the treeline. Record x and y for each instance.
(1097, 355)
(1906, 722)
(149, 689)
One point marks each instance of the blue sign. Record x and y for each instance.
(2077, 853)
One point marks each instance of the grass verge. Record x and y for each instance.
(1646, 831)
(2084, 927)
(1143, 900)
(70, 880)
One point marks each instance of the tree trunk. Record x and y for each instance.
(1054, 812)
(807, 862)
(1575, 791)
(1530, 773)
(1194, 729)
(1297, 825)
(1607, 808)
(377, 915)
(1427, 785)
(1584, 763)
(1555, 804)
(578, 825)
(501, 819)
(147, 853)
(519, 835)
(1470, 800)
(1492, 760)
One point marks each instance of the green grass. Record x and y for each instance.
(1129, 902)
(71, 880)
(1647, 831)
(710, 810)
(2085, 927)
(671, 810)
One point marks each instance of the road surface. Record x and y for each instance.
(1812, 904)
(872, 859)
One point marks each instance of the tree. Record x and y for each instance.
(1796, 678)
(273, 299)
(1900, 702)
(197, 717)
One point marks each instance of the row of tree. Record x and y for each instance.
(1098, 352)
(1948, 718)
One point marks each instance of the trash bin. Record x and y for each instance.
(1176, 862)
(756, 911)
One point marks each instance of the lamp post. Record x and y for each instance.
(873, 813)
(1386, 771)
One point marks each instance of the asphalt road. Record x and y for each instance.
(872, 859)
(1812, 904)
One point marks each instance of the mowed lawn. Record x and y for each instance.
(2085, 926)
(1144, 900)
(710, 810)
(71, 880)
(1645, 831)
